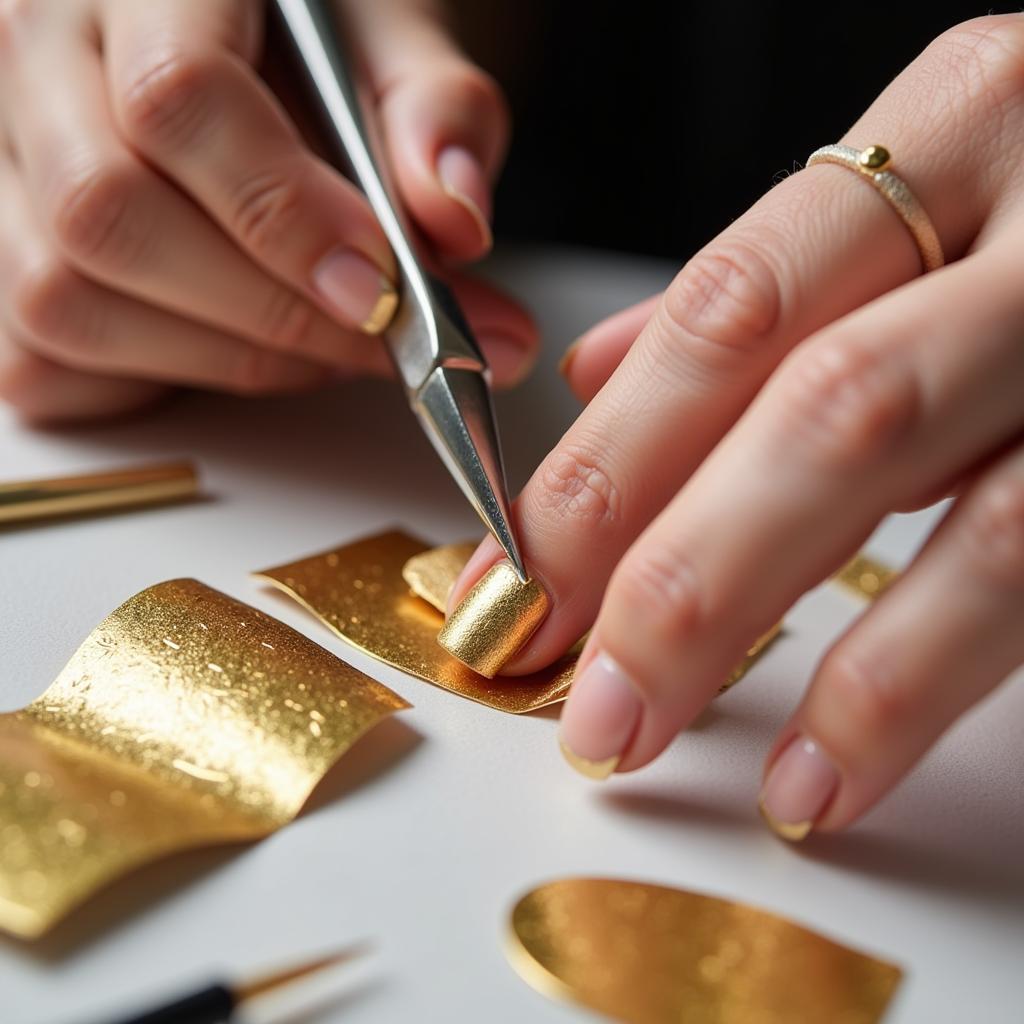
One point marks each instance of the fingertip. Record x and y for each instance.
(463, 180)
(487, 554)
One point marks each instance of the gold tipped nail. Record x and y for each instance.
(567, 357)
(793, 832)
(383, 309)
(494, 620)
(596, 770)
(486, 235)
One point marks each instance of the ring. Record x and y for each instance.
(872, 164)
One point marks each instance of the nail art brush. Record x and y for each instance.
(445, 375)
(216, 1003)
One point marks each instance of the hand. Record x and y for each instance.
(163, 222)
(799, 380)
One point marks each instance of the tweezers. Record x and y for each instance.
(445, 375)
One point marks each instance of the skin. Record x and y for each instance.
(747, 430)
(162, 218)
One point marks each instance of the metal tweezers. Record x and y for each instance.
(446, 377)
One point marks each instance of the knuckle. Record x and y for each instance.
(168, 102)
(577, 486)
(94, 214)
(845, 404)
(288, 320)
(865, 698)
(45, 300)
(720, 308)
(266, 208)
(659, 588)
(983, 59)
(995, 529)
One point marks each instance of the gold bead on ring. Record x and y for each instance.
(873, 164)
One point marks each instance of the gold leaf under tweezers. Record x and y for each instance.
(647, 954)
(185, 719)
(362, 592)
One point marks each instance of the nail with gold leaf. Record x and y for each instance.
(494, 620)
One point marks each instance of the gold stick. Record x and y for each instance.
(148, 485)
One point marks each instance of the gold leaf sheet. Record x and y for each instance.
(866, 577)
(362, 591)
(647, 954)
(185, 719)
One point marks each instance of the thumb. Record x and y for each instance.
(444, 121)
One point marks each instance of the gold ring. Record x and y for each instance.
(873, 165)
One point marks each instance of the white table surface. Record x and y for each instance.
(424, 835)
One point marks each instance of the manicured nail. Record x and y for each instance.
(494, 620)
(600, 717)
(798, 788)
(357, 289)
(509, 359)
(463, 179)
(567, 357)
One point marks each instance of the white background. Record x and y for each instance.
(423, 837)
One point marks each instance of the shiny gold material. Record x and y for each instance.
(647, 954)
(873, 164)
(754, 652)
(148, 485)
(866, 577)
(874, 158)
(792, 831)
(383, 310)
(358, 591)
(432, 574)
(186, 718)
(596, 770)
(493, 621)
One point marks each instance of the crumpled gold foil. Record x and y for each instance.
(866, 577)
(185, 719)
(362, 592)
(647, 954)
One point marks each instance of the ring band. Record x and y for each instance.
(872, 164)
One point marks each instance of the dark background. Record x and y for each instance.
(648, 126)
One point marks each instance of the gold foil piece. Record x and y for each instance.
(432, 574)
(493, 621)
(185, 719)
(359, 592)
(866, 577)
(95, 492)
(384, 308)
(647, 954)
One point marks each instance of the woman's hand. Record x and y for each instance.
(799, 380)
(163, 222)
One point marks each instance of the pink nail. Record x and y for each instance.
(799, 786)
(600, 717)
(464, 180)
(356, 289)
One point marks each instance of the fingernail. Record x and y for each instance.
(357, 289)
(508, 358)
(493, 621)
(599, 719)
(463, 179)
(798, 788)
(567, 357)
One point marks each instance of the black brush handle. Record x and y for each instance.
(212, 1005)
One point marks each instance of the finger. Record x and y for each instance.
(119, 223)
(444, 121)
(42, 392)
(593, 357)
(937, 642)
(201, 114)
(505, 330)
(819, 245)
(873, 410)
